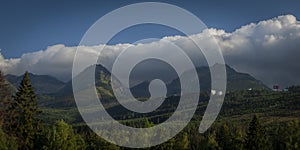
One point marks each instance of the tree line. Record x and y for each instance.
(22, 128)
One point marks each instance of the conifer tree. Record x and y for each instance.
(256, 137)
(26, 125)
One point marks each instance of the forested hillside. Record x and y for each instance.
(249, 119)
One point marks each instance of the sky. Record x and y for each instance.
(32, 25)
(258, 37)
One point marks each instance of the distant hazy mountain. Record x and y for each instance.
(235, 81)
(43, 84)
(242, 81)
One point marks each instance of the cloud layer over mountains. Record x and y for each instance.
(269, 50)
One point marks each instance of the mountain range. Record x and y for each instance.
(43, 84)
(53, 92)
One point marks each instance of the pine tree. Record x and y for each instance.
(256, 137)
(26, 125)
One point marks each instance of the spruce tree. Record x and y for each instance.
(26, 125)
(256, 137)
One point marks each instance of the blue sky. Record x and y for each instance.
(33, 25)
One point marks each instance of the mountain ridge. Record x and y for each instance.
(43, 84)
(61, 94)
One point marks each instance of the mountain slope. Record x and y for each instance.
(64, 97)
(43, 84)
(235, 81)
(102, 79)
(242, 81)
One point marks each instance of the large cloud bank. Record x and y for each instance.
(269, 50)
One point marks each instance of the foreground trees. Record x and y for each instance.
(256, 136)
(26, 125)
(19, 116)
(224, 137)
(288, 137)
(7, 142)
(5, 102)
(63, 137)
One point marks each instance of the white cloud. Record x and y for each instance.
(7, 65)
(269, 50)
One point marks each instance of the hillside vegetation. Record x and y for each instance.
(249, 119)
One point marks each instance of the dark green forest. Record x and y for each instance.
(249, 119)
